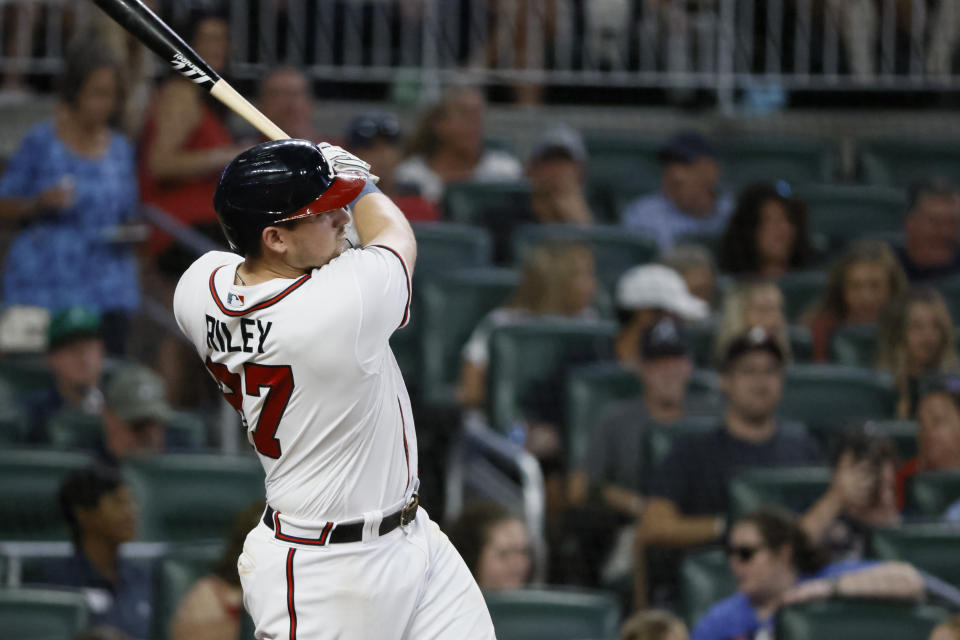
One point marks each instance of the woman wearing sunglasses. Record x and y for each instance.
(774, 564)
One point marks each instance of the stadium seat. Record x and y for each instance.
(25, 373)
(930, 493)
(614, 249)
(929, 547)
(801, 290)
(173, 576)
(902, 432)
(529, 362)
(950, 288)
(72, 429)
(442, 246)
(855, 345)
(185, 431)
(466, 202)
(543, 614)
(42, 614)
(876, 620)
(702, 338)
(899, 162)
(13, 420)
(451, 306)
(705, 579)
(192, 497)
(797, 161)
(405, 344)
(619, 170)
(660, 440)
(838, 214)
(795, 488)
(30, 481)
(590, 390)
(829, 397)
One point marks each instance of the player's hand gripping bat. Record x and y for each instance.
(149, 29)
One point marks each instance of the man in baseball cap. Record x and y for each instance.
(644, 295)
(136, 413)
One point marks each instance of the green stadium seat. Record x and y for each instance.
(705, 579)
(795, 488)
(173, 576)
(466, 202)
(702, 338)
(929, 547)
(30, 481)
(452, 305)
(542, 614)
(42, 614)
(442, 246)
(842, 619)
(855, 345)
(801, 289)
(72, 429)
(902, 432)
(13, 420)
(405, 344)
(590, 389)
(798, 161)
(841, 213)
(192, 497)
(899, 162)
(529, 361)
(950, 288)
(829, 397)
(930, 493)
(661, 440)
(25, 373)
(619, 170)
(185, 430)
(615, 249)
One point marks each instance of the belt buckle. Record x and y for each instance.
(409, 512)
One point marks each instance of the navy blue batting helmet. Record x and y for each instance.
(278, 181)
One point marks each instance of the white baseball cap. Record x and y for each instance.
(654, 286)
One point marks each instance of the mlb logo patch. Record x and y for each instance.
(234, 299)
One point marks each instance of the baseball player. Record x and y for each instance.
(294, 327)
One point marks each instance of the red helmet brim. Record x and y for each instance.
(344, 189)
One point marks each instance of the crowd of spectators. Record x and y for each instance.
(72, 193)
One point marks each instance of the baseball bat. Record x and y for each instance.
(149, 29)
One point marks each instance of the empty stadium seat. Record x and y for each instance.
(842, 619)
(442, 246)
(795, 160)
(542, 614)
(466, 202)
(900, 162)
(529, 361)
(615, 249)
(193, 497)
(452, 304)
(929, 547)
(619, 170)
(590, 389)
(801, 289)
(829, 397)
(173, 576)
(841, 213)
(25, 373)
(930, 493)
(30, 480)
(42, 614)
(72, 429)
(855, 345)
(705, 579)
(795, 488)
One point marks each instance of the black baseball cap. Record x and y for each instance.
(664, 339)
(370, 125)
(754, 339)
(685, 147)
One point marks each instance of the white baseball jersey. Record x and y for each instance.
(308, 365)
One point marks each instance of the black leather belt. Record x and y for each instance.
(352, 532)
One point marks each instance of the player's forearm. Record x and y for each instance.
(379, 221)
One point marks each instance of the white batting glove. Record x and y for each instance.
(343, 161)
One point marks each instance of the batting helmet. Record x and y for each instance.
(278, 181)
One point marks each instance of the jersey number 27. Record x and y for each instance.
(279, 383)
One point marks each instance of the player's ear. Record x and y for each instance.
(273, 239)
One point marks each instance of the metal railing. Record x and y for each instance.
(418, 45)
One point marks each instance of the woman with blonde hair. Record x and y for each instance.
(863, 283)
(558, 279)
(752, 304)
(917, 339)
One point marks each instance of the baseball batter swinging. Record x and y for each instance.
(294, 327)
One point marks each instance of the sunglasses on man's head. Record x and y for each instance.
(743, 553)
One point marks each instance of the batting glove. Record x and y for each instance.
(343, 161)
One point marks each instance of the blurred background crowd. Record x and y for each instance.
(683, 350)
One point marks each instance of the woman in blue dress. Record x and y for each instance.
(71, 188)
